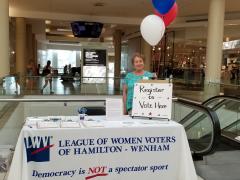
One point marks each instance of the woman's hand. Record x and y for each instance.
(154, 76)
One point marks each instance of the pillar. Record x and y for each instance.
(34, 47)
(214, 46)
(117, 38)
(29, 44)
(4, 36)
(215, 40)
(21, 58)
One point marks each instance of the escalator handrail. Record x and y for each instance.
(207, 102)
(232, 125)
(220, 104)
(214, 120)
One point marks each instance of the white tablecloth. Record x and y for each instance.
(112, 150)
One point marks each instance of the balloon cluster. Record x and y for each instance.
(153, 26)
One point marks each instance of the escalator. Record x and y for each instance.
(213, 134)
(227, 109)
(234, 128)
(226, 112)
(201, 125)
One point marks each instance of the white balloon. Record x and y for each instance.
(152, 29)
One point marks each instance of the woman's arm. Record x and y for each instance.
(125, 99)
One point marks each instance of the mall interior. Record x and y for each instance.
(199, 53)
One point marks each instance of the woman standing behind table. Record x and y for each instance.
(133, 77)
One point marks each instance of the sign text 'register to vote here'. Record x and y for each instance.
(152, 100)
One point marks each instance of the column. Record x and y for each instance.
(78, 60)
(117, 38)
(21, 58)
(214, 47)
(34, 47)
(29, 43)
(146, 50)
(4, 36)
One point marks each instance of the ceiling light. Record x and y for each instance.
(64, 30)
(47, 30)
(113, 25)
(48, 22)
(108, 38)
(232, 24)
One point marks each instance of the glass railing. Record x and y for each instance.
(9, 85)
(227, 109)
(75, 85)
(201, 125)
(61, 85)
(197, 76)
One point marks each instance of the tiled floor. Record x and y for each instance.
(222, 165)
(3, 176)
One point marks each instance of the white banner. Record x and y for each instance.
(152, 99)
(157, 151)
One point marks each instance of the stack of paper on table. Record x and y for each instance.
(56, 118)
(32, 121)
(48, 124)
(114, 108)
(70, 124)
(93, 124)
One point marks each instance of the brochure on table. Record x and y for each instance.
(45, 122)
(152, 99)
(114, 108)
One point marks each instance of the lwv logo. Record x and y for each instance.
(38, 148)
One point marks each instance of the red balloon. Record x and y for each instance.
(170, 16)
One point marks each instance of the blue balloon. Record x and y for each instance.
(163, 6)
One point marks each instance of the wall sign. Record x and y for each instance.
(152, 99)
(94, 57)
